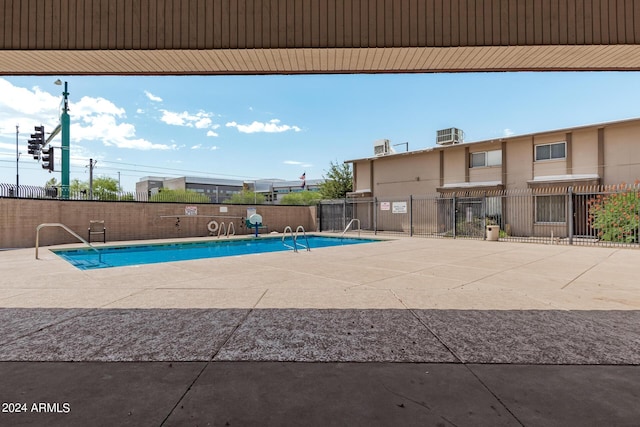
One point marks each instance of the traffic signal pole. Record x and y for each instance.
(65, 122)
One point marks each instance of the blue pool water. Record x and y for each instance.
(118, 256)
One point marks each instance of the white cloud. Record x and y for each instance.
(171, 118)
(152, 97)
(87, 108)
(26, 108)
(271, 126)
(199, 120)
(212, 133)
(292, 162)
(95, 119)
(202, 147)
(140, 111)
(203, 123)
(507, 132)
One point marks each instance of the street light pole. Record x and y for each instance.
(17, 163)
(65, 123)
(92, 163)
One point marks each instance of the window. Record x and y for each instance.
(551, 209)
(486, 158)
(557, 150)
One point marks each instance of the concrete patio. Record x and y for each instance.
(409, 331)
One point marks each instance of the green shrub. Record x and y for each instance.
(301, 198)
(246, 197)
(615, 216)
(183, 196)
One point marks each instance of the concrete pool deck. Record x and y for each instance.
(409, 331)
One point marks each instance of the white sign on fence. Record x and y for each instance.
(399, 207)
(385, 206)
(191, 210)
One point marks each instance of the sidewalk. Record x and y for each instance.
(405, 332)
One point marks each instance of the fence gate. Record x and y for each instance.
(470, 217)
(335, 214)
(581, 227)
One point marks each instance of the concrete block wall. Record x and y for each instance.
(133, 220)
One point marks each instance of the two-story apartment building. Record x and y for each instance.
(538, 163)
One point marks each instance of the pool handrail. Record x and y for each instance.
(226, 229)
(293, 239)
(304, 234)
(221, 227)
(351, 225)
(70, 231)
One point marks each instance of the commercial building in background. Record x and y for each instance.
(218, 189)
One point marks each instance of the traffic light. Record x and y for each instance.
(34, 148)
(39, 135)
(47, 158)
(36, 142)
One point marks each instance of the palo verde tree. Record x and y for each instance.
(338, 182)
(104, 188)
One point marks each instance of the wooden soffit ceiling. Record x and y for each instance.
(316, 36)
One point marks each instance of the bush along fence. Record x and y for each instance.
(590, 215)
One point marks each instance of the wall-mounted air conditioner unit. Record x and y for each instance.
(381, 147)
(450, 136)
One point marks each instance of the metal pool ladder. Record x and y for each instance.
(351, 225)
(294, 238)
(304, 234)
(227, 231)
(70, 231)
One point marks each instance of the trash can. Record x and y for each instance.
(493, 232)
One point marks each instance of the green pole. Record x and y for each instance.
(65, 122)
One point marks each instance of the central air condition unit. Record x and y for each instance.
(450, 136)
(382, 147)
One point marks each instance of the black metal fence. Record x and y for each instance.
(35, 192)
(594, 215)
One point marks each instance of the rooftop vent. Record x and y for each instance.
(450, 136)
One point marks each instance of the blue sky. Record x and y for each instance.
(251, 127)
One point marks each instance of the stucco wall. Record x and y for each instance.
(412, 174)
(454, 165)
(622, 154)
(132, 220)
(585, 152)
(519, 162)
(484, 174)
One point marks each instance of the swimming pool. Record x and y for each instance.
(119, 256)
